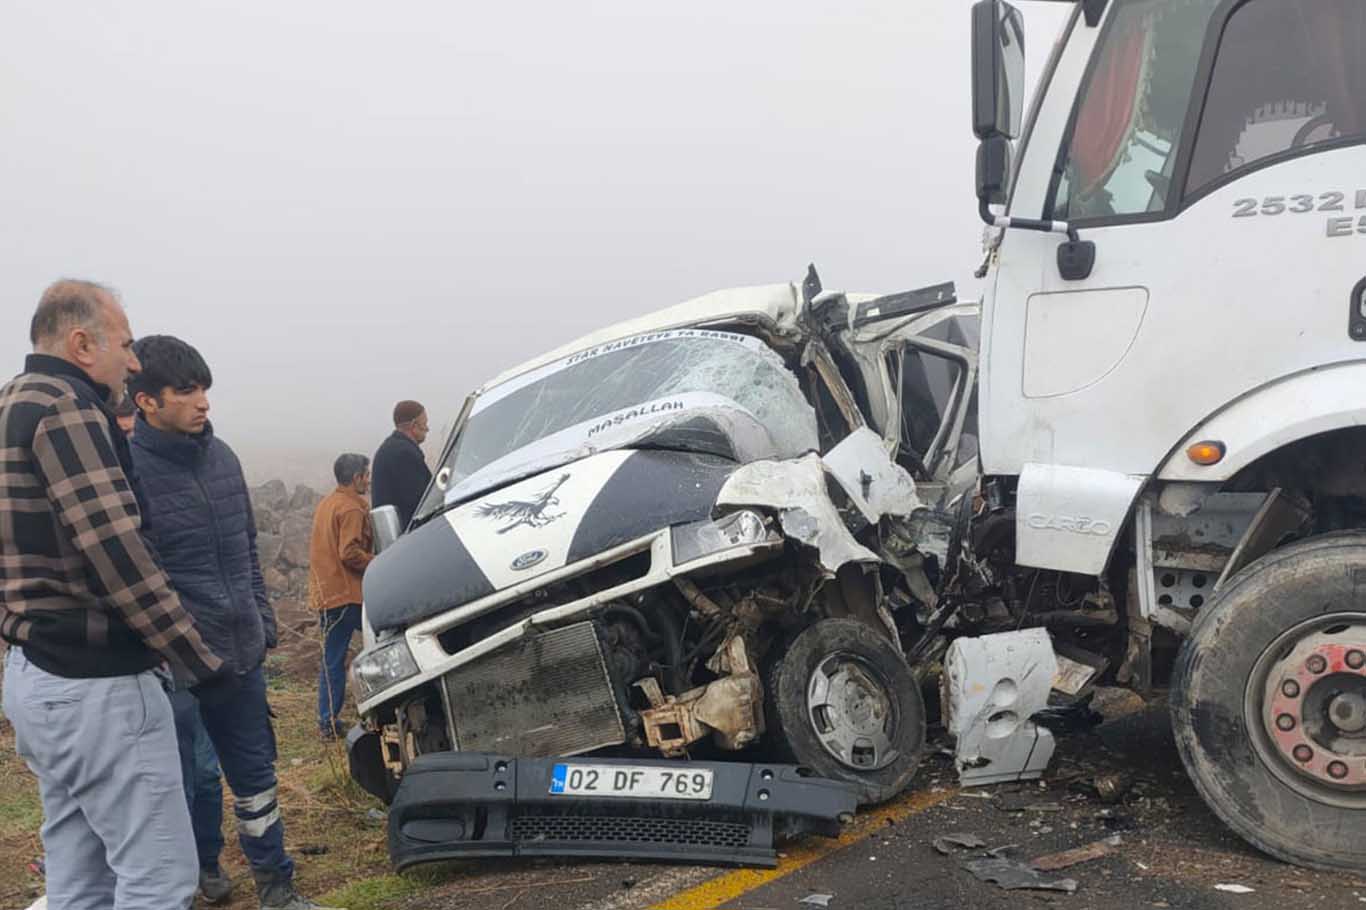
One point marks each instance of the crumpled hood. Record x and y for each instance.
(536, 526)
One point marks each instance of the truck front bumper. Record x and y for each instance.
(451, 805)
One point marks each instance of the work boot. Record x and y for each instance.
(276, 892)
(215, 885)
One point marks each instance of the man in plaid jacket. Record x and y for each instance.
(91, 620)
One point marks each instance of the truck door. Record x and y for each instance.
(1216, 155)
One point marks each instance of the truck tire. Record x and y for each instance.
(843, 702)
(1268, 703)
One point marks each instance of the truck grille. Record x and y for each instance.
(547, 694)
(608, 829)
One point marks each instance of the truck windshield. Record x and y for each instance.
(1132, 109)
(717, 392)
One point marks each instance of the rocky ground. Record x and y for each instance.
(284, 524)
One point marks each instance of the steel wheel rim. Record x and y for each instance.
(1301, 687)
(852, 712)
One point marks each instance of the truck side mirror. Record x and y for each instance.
(998, 69)
(993, 170)
(385, 522)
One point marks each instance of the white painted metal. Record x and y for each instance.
(1243, 333)
(995, 684)
(1098, 327)
(1068, 518)
(1278, 413)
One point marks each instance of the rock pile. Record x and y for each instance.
(284, 523)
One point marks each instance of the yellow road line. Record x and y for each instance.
(725, 888)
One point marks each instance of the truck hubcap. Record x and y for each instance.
(852, 712)
(1313, 706)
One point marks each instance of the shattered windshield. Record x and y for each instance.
(692, 389)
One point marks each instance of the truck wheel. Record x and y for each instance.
(1269, 703)
(843, 702)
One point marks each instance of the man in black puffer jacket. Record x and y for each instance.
(203, 529)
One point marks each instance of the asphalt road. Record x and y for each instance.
(1172, 852)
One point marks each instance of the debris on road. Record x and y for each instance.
(1235, 889)
(1012, 876)
(994, 685)
(817, 900)
(1083, 854)
(945, 843)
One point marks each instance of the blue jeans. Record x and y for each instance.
(202, 776)
(338, 626)
(237, 719)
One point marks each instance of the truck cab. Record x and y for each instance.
(1172, 362)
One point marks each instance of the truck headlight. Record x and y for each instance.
(702, 538)
(381, 667)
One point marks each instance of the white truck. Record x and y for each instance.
(752, 524)
(1173, 376)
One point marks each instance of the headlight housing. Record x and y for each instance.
(385, 665)
(744, 528)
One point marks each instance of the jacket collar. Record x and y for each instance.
(56, 366)
(354, 497)
(405, 438)
(175, 446)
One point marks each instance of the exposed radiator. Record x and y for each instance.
(547, 694)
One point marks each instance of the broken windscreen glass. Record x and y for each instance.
(690, 389)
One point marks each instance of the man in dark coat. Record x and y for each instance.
(204, 531)
(400, 475)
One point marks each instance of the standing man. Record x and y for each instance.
(204, 531)
(199, 763)
(341, 547)
(401, 473)
(89, 616)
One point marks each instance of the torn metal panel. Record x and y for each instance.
(731, 709)
(1278, 516)
(796, 490)
(993, 686)
(818, 356)
(874, 483)
(1202, 539)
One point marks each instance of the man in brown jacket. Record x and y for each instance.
(341, 548)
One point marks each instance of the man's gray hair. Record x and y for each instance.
(68, 304)
(348, 466)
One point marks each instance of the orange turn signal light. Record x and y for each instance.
(1206, 453)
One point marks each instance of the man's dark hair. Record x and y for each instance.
(348, 466)
(167, 361)
(66, 304)
(405, 412)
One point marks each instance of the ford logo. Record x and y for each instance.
(528, 559)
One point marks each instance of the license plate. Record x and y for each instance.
(624, 780)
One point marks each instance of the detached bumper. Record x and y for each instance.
(464, 804)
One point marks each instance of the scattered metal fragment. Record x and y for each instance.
(1235, 889)
(1055, 861)
(1023, 802)
(817, 900)
(945, 843)
(1012, 876)
(1111, 788)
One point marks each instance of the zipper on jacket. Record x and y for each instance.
(238, 656)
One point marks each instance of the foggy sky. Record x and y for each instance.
(342, 204)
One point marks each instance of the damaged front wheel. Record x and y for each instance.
(843, 702)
